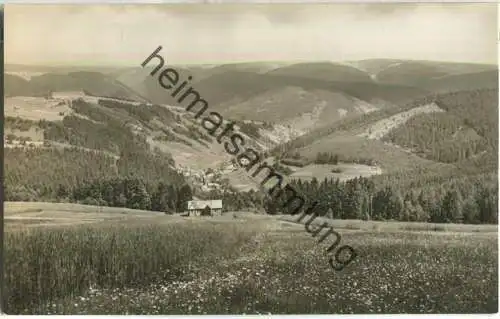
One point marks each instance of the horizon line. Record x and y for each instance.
(298, 61)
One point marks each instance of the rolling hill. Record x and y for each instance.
(287, 95)
(294, 106)
(432, 76)
(449, 134)
(94, 83)
(325, 71)
(376, 116)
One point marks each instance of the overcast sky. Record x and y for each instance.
(190, 34)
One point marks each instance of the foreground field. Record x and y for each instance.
(34, 214)
(242, 263)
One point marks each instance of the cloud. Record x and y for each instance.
(124, 34)
(388, 8)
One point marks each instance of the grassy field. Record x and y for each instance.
(35, 108)
(346, 171)
(131, 262)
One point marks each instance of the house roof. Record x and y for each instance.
(200, 204)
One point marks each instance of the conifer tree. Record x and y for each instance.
(452, 206)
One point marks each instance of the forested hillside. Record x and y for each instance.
(464, 136)
(468, 127)
(435, 148)
(41, 174)
(97, 144)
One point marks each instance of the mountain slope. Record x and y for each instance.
(15, 85)
(53, 158)
(418, 67)
(463, 82)
(325, 71)
(304, 108)
(465, 127)
(294, 106)
(94, 83)
(430, 75)
(236, 86)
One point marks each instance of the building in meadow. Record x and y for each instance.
(205, 207)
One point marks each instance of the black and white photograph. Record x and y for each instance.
(250, 159)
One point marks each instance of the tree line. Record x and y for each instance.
(468, 200)
(43, 174)
(130, 192)
(459, 199)
(72, 175)
(334, 159)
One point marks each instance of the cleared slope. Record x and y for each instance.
(380, 128)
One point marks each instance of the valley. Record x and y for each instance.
(273, 105)
(210, 158)
(104, 162)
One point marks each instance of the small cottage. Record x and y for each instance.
(199, 207)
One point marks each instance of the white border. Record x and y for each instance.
(496, 315)
(236, 1)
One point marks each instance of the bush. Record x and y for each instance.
(206, 211)
(90, 201)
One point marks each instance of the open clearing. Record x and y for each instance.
(138, 262)
(347, 171)
(388, 157)
(35, 108)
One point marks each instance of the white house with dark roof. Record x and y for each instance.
(196, 207)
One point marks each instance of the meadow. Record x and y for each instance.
(121, 261)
